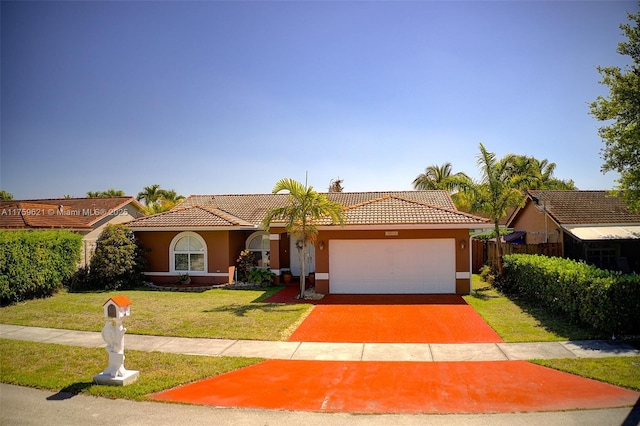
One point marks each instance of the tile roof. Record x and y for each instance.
(64, 213)
(190, 216)
(392, 207)
(584, 207)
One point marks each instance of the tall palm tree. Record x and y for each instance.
(440, 177)
(498, 191)
(300, 214)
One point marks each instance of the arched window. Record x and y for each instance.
(188, 253)
(259, 243)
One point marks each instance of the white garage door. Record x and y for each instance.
(392, 266)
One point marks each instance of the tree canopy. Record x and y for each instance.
(158, 200)
(440, 177)
(621, 111)
(106, 194)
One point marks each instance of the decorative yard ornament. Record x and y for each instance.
(115, 309)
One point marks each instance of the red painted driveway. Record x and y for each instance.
(399, 387)
(394, 319)
(402, 387)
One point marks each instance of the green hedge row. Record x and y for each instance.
(36, 263)
(606, 300)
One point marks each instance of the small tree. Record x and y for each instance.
(303, 209)
(118, 261)
(246, 262)
(498, 191)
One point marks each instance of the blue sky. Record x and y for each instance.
(228, 97)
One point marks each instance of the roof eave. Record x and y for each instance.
(193, 228)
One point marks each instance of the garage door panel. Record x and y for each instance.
(396, 266)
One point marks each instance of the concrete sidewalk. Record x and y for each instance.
(331, 351)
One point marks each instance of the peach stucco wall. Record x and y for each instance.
(223, 248)
(537, 224)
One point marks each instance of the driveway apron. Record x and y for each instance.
(398, 387)
(394, 319)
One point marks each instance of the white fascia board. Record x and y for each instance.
(393, 227)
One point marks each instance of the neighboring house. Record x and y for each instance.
(593, 226)
(87, 216)
(392, 242)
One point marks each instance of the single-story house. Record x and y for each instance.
(392, 242)
(594, 226)
(87, 216)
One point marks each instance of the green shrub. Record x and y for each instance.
(488, 274)
(263, 277)
(117, 262)
(606, 300)
(36, 263)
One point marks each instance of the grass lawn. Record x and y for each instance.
(71, 369)
(227, 314)
(621, 371)
(517, 320)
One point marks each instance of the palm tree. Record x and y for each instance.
(499, 191)
(106, 194)
(302, 211)
(540, 171)
(336, 185)
(440, 177)
(159, 200)
(149, 194)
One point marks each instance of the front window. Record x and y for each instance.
(259, 243)
(188, 251)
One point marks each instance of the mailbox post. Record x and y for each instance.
(115, 309)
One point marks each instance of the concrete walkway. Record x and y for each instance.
(331, 351)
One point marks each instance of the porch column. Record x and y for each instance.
(274, 255)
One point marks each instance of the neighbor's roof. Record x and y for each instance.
(362, 208)
(62, 213)
(584, 207)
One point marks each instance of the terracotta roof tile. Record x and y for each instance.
(391, 207)
(584, 207)
(67, 213)
(190, 216)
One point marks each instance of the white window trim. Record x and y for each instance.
(172, 257)
(254, 235)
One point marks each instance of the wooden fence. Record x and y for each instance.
(484, 252)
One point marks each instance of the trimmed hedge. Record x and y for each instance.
(606, 300)
(36, 263)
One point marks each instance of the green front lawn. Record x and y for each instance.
(516, 320)
(71, 369)
(620, 371)
(226, 314)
